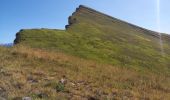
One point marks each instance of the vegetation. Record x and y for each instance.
(92, 35)
(37, 73)
(96, 57)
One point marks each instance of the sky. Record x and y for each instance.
(53, 14)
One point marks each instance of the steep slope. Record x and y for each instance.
(94, 35)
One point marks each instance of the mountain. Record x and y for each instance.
(97, 36)
(7, 44)
(97, 57)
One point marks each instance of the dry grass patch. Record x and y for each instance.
(37, 73)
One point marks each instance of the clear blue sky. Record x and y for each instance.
(24, 14)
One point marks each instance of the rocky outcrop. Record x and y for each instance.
(18, 37)
(80, 9)
(71, 19)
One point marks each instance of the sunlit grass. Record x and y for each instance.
(99, 57)
(28, 72)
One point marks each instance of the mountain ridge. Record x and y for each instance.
(153, 33)
(133, 25)
(95, 58)
(94, 35)
(6, 44)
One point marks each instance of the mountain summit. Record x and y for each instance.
(93, 35)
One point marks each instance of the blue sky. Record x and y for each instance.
(26, 14)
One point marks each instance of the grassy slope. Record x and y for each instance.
(36, 73)
(127, 62)
(93, 35)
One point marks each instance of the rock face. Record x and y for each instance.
(71, 19)
(18, 37)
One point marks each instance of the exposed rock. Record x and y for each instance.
(63, 81)
(17, 39)
(26, 98)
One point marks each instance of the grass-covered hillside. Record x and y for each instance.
(97, 57)
(50, 75)
(96, 36)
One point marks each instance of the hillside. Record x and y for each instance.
(96, 36)
(49, 75)
(97, 57)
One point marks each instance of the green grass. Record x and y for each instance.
(100, 57)
(36, 73)
(93, 35)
